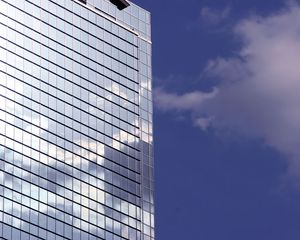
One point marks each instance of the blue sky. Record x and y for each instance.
(227, 119)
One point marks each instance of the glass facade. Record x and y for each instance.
(76, 145)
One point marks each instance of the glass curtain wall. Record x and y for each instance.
(76, 136)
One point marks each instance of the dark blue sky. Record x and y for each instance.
(223, 182)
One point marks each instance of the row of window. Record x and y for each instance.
(58, 128)
(47, 227)
(74, 185)
(96, 124)
(43, 55)
(67, 104)
(96, 153)
(69, 211)
(93, 128)
(93, 17)
(91, 170)
(132, 16)
(37, 127)
(90, 33)
(63, 19)
(77, 158)
(75, 106)
(76, 205)
(39, 111)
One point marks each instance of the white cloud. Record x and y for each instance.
(203, 122)
(258, 89)
(213, 17)
(188, 101)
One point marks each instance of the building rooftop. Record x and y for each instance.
(121, 4)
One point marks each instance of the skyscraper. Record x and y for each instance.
(76, 152)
